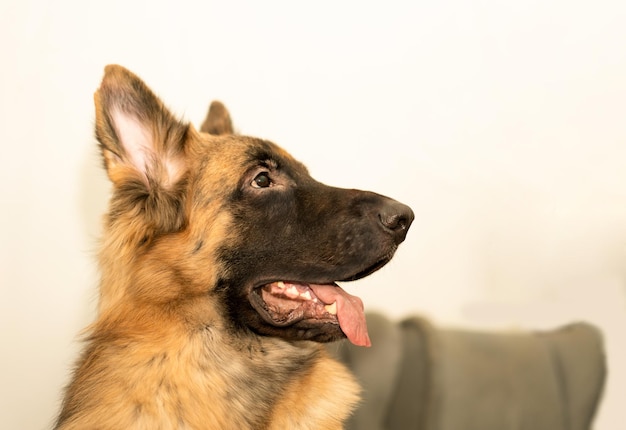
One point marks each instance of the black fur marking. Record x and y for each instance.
(301, 231)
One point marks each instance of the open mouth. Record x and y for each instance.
(283, 303)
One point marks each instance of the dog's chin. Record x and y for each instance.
(321, 331)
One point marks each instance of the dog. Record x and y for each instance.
(219, 262)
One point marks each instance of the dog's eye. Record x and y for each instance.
(262, 180)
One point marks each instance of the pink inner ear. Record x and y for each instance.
(136, 140)
(142, 153)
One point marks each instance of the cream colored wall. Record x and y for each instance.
(500, 123)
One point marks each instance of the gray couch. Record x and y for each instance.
(418, 376)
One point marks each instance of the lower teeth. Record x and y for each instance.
(331, 309)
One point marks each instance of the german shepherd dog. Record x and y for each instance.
(218, 267)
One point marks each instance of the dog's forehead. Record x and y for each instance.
(227, 159)
(266, 151)
(243, 152)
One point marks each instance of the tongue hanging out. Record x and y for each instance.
(349, 312)
(287, 303)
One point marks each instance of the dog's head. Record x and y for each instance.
(211, 222)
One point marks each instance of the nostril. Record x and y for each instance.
(393, 222)
(396, 219)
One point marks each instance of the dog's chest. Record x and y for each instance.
(206, 385)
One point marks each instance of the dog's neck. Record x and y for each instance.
(206, 374)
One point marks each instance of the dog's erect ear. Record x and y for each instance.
(136, 132)
(218, 120)
(143, 148)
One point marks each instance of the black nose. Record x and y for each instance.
(396, 218)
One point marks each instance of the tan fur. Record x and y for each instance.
(158, 355)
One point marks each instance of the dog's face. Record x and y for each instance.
(236, 221)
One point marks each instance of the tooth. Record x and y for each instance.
(292, 292)
(331, 309)
(280, 284)
(306, 295)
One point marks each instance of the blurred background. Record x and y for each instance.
(502, 124)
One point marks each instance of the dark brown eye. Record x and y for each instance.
(262, 180)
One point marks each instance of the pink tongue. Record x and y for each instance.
(349, 312)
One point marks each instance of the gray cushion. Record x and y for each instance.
(417, 376)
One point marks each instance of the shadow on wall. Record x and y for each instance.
(94, 192)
